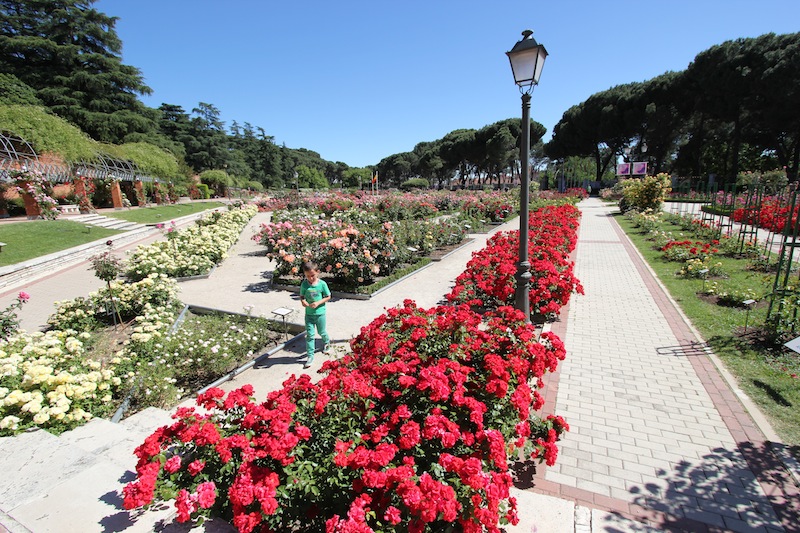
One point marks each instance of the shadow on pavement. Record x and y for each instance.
(721, 491)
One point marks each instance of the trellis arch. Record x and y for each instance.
(16, 154)
(108, 167)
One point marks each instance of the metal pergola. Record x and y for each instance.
(17, 154)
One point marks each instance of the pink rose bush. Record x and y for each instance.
(341, 249)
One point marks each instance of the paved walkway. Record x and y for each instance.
(659, 439)
(656, 431)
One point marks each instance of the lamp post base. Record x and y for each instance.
(521, 296)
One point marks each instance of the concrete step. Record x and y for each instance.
(147, 420)
(106, 222)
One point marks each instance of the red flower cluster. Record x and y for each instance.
(489, 279)
(773, 215)
(682, 250)
(412, 431)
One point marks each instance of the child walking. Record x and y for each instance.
(314, 293)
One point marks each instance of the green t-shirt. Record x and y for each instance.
(314, 293)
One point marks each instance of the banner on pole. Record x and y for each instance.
(639, 168)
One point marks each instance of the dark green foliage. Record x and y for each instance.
(489, 152)
(734, 107)
(414, 183)
(71, 55)
(14, 91)
(47, 133)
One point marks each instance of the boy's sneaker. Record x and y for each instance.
(327, 348)
(308, 362)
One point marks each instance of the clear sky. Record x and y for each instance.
(357, 81)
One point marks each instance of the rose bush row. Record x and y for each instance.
(351, 248)
(192, 251)
(412, 431)
(393, 206)
(772, 214)
(489, 280)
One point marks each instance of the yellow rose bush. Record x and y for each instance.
(47, 380)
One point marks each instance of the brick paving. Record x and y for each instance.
(656, 434)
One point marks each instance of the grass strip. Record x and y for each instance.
(162, 213)
(35, 238)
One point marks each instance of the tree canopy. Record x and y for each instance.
(734, 106)
(70, 54)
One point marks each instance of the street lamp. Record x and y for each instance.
(630, 153)
(527, 59)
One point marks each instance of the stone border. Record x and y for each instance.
(354, 295)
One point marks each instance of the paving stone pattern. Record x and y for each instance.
(643, 428)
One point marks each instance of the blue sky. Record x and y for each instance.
(357, 81)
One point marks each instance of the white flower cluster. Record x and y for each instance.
(195, 250)
(81, 314)
(47, 380)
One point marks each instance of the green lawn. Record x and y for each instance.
(35, 238)
(162, 213)
(762, 371)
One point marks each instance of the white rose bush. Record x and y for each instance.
(57, 380)
(47, 380)
(192, 251)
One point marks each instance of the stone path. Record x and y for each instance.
(655, 431)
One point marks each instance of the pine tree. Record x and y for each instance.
(71, 55)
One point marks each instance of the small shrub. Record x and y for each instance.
(415, 183)
(646, 193)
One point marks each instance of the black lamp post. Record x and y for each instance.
(630, 152)
(527, 59)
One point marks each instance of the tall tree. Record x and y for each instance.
(70, 53)
(599, 128)
(207, 147)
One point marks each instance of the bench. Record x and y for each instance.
(70, 209)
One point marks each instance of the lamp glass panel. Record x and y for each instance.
(523, 64)
(542, 54)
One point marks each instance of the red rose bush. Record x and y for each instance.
(411, 431)
(489, 279)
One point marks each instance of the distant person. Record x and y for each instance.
(314, 294)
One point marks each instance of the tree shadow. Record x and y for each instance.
(720, 492)
(684, 350)
(255, 253)
(776, 396)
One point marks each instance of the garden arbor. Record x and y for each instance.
(18, 159)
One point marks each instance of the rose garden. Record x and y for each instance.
(413, 429)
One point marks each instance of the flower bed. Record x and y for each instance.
(78, 370)
(192, 251)
(412, 431)
(489, 279)
(354, 248)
